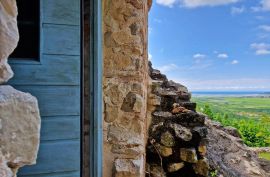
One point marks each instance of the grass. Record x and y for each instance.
(251, 116)
(265, 155)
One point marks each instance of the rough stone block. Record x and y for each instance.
(181, 132)
(19, 127)
(173, 167)
(201, 167)
(167, 139)
(188, 155)
(163, 150)
(132, 103)
(9, 36)
(128, 168)
(155, 170)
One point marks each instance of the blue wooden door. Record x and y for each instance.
(54, 78)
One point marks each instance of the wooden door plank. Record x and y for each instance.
(64, 174)
(61, 39)
(60, 128)
(55, 156)
(54, 70)
(61, 12)
(55, 100)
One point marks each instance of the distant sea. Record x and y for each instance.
(231, 94)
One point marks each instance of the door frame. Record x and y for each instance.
(94, 84)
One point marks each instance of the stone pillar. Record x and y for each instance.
(19, 113)
(125, 86)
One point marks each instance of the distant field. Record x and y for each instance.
(265, 155)
(253, 107)
(250, 115)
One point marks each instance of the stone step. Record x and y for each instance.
(188, 105)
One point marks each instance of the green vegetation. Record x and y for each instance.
(213, 173)
(265, 155)
(251, 116)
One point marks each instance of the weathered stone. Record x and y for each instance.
(163, 150)
(130, 151)
(131, 136)
(111, 113)
(155, 170)
(128, 167)
(201, 167)
(201, 131)
(230, 157)
(19, 129)
(191, 119)
(181, 132)
(179, 109)
(188, 105)
(156, 75)
(167, 139)
(173, 167)
(162, 114)
(232, 131)
(154, 100)
(188, 155)
(5, 171)
(132, 103)
(9, 36)
(175, 86)
(202, 148)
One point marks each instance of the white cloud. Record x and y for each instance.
(168, 3)
(199, 3)
(226, 84)
(265, 28)
(199, 56)
(263, 52)
(264, 6)
(168, 68)
(237, 10)
(234, 62)
(195, 3)
(150, 57)
(223, 55)
(261, 48)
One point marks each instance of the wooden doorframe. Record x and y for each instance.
(91, 88)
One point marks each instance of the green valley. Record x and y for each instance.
(250, 115)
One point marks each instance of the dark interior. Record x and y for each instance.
(28, 24)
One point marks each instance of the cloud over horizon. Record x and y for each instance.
(261, 48)
(235, 84)
(195, 3)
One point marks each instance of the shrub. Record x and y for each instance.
(255, 133)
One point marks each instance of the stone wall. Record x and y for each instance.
(177, 134)
(19, 113)
(125, 86)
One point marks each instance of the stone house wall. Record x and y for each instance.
(125, 80)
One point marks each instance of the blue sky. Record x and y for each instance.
(212, 44)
